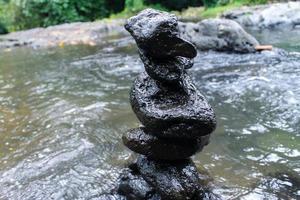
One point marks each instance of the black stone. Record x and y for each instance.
(156, 33)
(166, 70)
(134, 187)
(174, 112)
(160, 148)
(155, 180)
(218, 35)
(177, 118)
(172, 180)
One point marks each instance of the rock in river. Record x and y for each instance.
(134, 187)
(166, 70)
(157, 32)
(277, 15)
(219, 35)
(175, 180)
(177, 118)
(140, 141)
(180, 111)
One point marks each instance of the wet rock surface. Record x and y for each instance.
(134, 187)
(177, 111)
(219, 35)
(275, 15)
(165, 70)
(150, 27)
(175, 180)
(213, 34)
(138, 140)
(87, 33)
(177, 119)
(150, 179)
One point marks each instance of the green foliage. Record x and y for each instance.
(213, 9)
(211, 12)
(210, 3)
(3, 29)
(216, 3)
(52, 12)
(134, 5)
(42, 13)
(5, 15)
(256, 1)
(179, 5)
(24, 14)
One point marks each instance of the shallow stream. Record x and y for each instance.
(63, 111)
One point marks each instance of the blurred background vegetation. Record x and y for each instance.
(24, 14)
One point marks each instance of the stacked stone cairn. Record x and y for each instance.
(177, 120)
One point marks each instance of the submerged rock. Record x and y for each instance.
(160, 180)
(267, 16)
(134, 187)
(175, 180)
(219, 35)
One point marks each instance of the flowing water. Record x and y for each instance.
(63, 111)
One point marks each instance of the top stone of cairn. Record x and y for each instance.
(156, 34)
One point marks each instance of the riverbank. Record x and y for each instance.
(87, 33)
(64, 111)
(92, 33)
(211, 34)
(278, 15)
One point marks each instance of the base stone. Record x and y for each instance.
(150, 179)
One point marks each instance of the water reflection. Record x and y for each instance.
(62, 113)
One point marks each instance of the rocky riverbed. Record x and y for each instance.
(278, 15)
(213, 34)
(87, 33)
(64, 111)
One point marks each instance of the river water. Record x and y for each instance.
(63, 111)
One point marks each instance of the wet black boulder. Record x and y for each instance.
(164, 69)
(134, 187)
(173, 180)
(177, 119)
(156, 33)
(161, 148)
(180, 111)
